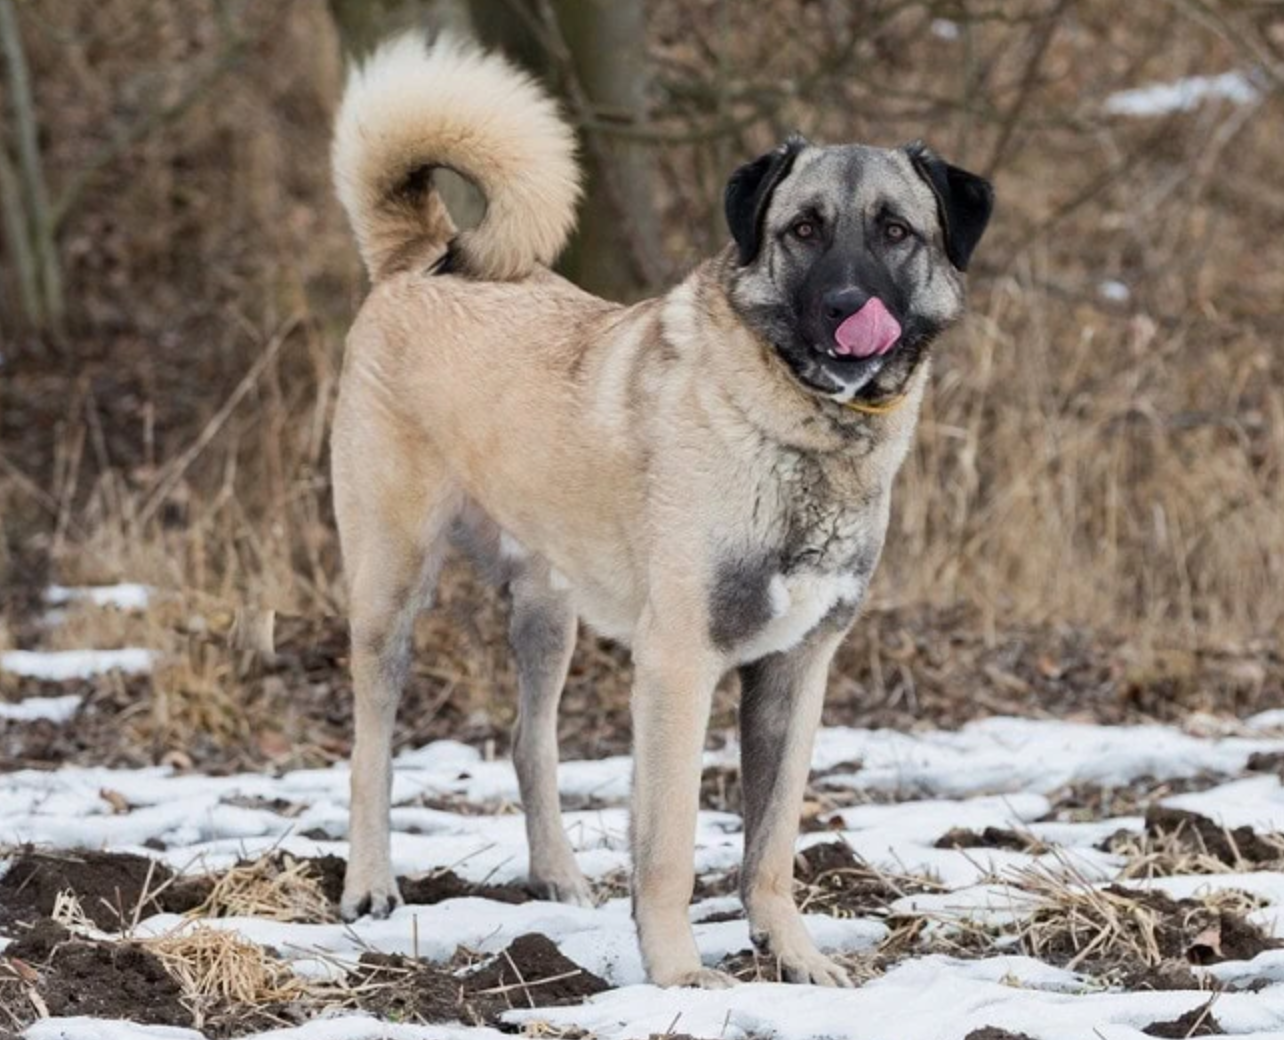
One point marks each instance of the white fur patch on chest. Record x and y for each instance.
(799, 602)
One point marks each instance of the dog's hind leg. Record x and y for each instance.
(781, 700)
(542, 636)
(393, 535)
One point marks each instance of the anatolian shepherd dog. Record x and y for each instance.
(704, 476)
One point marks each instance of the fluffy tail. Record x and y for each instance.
(414, 106)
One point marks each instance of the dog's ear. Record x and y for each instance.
(749, 191)
(964, 201)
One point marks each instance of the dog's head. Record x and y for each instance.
(848, 259)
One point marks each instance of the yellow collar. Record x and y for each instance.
(883, 408)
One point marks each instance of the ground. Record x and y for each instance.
(1006, 877)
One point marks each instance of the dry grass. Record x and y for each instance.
(275, 886)
(1079, 460)
(1173, 853)
(1114, 932)
(217, 964)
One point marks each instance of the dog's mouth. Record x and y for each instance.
(870, 332)
(854, 351)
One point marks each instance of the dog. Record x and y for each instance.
(704, 476)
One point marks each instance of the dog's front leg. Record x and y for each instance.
(672, 694)
(781, 700)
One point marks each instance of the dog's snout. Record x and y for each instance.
(840, 304)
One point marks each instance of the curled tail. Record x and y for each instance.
(414, 106)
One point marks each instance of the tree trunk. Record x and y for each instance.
(617, 252)
(39, 225)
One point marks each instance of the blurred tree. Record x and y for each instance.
(592, 53)
(24, 201)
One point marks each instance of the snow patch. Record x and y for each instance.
(60, 665)
(1182, 95)
(126, 596)
(32, 709)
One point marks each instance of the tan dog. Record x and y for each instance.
(704, 476)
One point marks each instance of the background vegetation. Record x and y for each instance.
(1095, 500)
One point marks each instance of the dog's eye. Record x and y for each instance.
(896, 231)
(804, 229)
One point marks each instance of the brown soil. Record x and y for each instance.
(1239, 847)
(438, 887)
(832, 880)
(91, 735)
(329, 871)
(1165, 976)
(989, 838)
(995, 1033)
(109, 886)
(1185, 931)
(1198, 1021)
(1090, 801)
(99, 979)
(530, 971)
(1266, 762)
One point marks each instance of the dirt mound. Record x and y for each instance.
(533, 967)
(1140, 937)
(1239, 847)
(834, 881)
(990, 838)
(99, 979)
(440, 886)
(1198, 1021)
(1266, 762)
(995, 1033)
(328, 871)
(109, 886)
(530, 971)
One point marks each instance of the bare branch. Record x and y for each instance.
(40, 227)
(18, 241)
(233, 51)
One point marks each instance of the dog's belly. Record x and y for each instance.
(607, 615)
(796, 604)
(609, 611)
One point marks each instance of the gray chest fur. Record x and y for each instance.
(819, 533)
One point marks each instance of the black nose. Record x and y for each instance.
(841, 304)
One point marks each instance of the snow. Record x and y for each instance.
(1114, 290)
(60, 665)
(997, 773)
(999, 755)
(945, 29)
(1273, 719)
(928, 998)
(1256, 802)
(338, 1027)
(1182, 95)
(128, 596)
(55, 709)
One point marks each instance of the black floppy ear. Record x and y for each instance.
(964, 201)
(749, 191)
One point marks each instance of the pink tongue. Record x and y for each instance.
(871, 330)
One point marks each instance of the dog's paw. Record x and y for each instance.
(701, 978)
(813, 968)
(377, 900)
(568, 887)
(796, 956)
